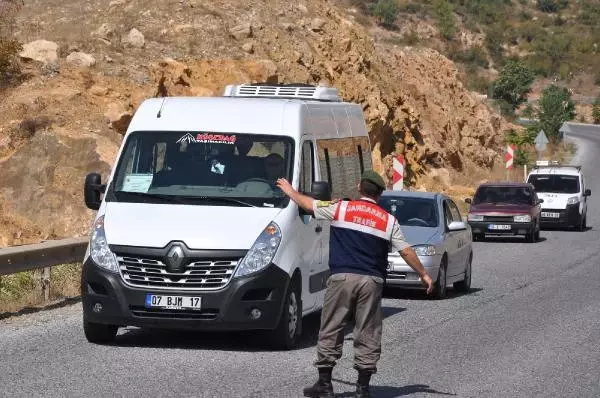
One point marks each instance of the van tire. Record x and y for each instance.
(283, 337)
(99, 333)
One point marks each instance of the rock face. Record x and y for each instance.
(134, 38)
(412, 100)
(40, 50)
(81, 59)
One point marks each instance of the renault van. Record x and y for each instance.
(191, 231)
(563, 189)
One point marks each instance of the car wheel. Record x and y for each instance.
(464, 286)
(99, 333)
(286, 335)
(440, 289)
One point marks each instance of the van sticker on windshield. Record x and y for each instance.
(206, 138)
(137, 183)
(188, 139)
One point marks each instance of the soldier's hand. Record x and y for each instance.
(426, 279)
(285, 186)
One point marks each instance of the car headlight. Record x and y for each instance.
(523, 218)
(425, 250)
(262, 251)
(99, 250)
(573, 201)
(475, 217)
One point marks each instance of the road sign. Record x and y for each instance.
(510, 155)
(540, 141)
(398, 164)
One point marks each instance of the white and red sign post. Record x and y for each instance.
(398, 164)
(509, 157)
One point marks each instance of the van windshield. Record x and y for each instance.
(503, 194)
(553, 183)
(228, 169)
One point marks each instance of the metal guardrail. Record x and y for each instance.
(41, 255)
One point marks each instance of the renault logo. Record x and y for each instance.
(175, 259)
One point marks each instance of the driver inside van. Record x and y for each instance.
(274, 168)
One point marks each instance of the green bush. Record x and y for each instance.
(472, 57)
(555, 108)
(386, 11)
(551, 6)
(513, 84)
(9, 46)
(444, 12)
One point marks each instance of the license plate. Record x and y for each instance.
(501, 227)
(546, 214)
(173, 302)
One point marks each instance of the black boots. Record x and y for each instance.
(362, 385)
(323, 387)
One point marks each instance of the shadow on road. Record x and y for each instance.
(252, 341)
(419, 294)
(392, 392)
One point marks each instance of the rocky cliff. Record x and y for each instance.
(88, 65)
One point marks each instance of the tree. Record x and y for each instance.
(513, 83)
(385, 11)
(555, 108)
(596, 110)
(445, 18)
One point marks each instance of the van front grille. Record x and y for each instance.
(194, 275)
(206, 315)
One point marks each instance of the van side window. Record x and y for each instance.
(340, 162)
(307, 172)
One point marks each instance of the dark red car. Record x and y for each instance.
(506, 209)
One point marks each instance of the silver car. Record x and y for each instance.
(434, 226)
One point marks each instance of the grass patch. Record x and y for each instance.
(24, 289)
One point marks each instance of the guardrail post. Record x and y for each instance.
(46, 283)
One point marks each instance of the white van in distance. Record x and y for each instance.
(191, 230)
(564, 192)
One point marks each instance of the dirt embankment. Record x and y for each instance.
(104, 58)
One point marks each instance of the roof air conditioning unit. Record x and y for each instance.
(290, 91)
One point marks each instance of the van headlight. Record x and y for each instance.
(475, 217)
(262, 251)
(99, 250)
(573, 200)
(425, 250)
(523, 218)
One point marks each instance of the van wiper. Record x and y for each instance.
(226, 200)
(170, 198)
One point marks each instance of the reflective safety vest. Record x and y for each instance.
(360, 236)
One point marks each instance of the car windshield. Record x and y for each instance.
(555, 183)
(417, 212)
(503, 194)
(203, 167)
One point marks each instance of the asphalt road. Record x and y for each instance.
(530, 327)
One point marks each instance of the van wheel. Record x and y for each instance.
(287, 333)
(99, 333)
(464, 286)
(440, 289)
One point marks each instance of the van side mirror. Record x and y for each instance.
(320, 190)
(93, 187)
(587, 192)
(468, 200)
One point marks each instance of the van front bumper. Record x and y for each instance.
(566, 217)
(227, 309)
